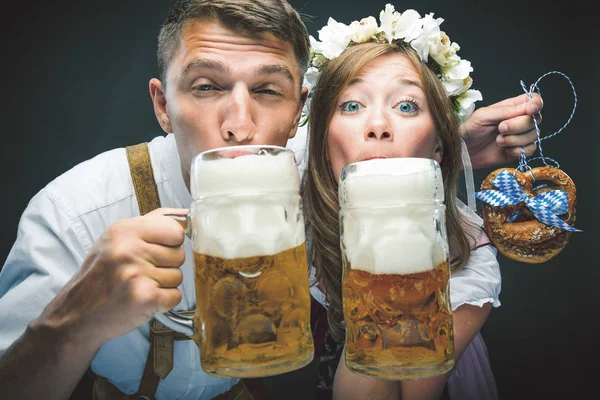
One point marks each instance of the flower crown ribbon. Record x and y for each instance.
(422, 34)
(545, 207)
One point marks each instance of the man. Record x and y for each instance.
(87, 273)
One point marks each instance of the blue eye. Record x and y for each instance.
(406, 107)
(351, 106)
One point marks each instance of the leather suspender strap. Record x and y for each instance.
(142, 175)
(159, 362)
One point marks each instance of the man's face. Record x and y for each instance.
(224, 88)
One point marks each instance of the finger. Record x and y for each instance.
(509, 109)
(515, 152)
(535, 100)
(168, 298)
(164, 256)
(166, 277)
(517, 125)
(535, 104)
(517, 140)
(159, 229)
(178, 214)
(494, 115)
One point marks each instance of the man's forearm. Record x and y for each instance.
(43, 364)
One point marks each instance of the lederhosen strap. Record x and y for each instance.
(142, 175)
(159, 362)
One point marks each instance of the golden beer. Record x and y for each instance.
(398, 326)
(395, 283)
(255, 313)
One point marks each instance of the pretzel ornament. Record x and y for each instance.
(532, 224)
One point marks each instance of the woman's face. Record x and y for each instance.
(383, 113)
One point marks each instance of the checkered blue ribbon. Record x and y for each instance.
(545, 207)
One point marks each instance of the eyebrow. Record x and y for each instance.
(269, 69)
(404, 81)
(206, 63)
(410, 82)
(355, 81)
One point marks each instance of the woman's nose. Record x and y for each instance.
(378, 128)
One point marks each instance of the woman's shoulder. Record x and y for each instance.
(479, 281)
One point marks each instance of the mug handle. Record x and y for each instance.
(172, 319)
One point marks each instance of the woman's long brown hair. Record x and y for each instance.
(320, 188)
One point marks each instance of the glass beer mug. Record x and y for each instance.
(252, 314)
(395, 285)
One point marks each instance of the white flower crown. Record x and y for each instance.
(423, 35)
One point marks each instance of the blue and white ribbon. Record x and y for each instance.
(545, 207)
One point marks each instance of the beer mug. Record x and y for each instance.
(395, 285)
(252, 315)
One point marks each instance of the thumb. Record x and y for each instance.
(523, 104)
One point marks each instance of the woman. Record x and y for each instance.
(395, 94)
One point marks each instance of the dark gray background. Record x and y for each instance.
(75, 79)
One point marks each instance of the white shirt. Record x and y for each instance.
(65, 218)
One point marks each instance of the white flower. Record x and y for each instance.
(310, 80)
(440, 49)
(363, 30)
(455, 87)
(318, 60)
(469, 97)
(460, 70)
(409, 26)
(334, 38)
(315, 46)
(389, 19)
(466, 101)
(431, 30)
(310, 77)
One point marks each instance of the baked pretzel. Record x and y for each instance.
(526, 239)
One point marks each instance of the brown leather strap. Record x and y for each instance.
(142, 175)
(150, 379)
(159, 362)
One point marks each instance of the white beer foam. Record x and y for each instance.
(246, 206)
(245, 174)
(393, 240)
(383, 182)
